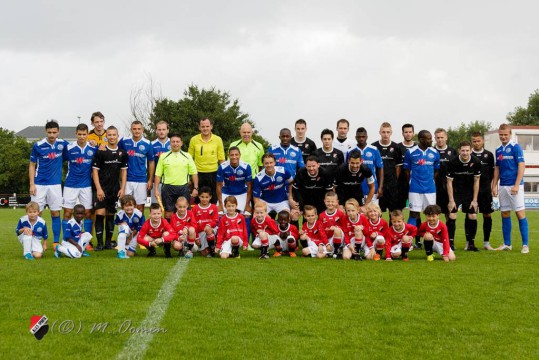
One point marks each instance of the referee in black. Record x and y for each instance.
(463, 173)
(311, 184)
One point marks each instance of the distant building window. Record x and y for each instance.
(528, 142)
(531, 187)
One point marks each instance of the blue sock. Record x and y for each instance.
(248, 224)
(88, 223)
(412, 221)
(506, 230)
(56, 228)
(523, 226)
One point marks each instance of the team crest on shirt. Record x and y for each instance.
(240, 172)
(60, 147)
(238, 221)
(279, 178)
(507, 150)
(391, 149)
(292, 153)
(39, 229)
(431, 156)
(135, 220)
(485, 155)
(368, 155)
(141, 147)
(306, 146)
(334, 155)
(449, 153)
(90, 152)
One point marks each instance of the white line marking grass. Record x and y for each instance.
(138, 343)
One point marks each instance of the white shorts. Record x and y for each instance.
(82, 195)
(396, 249)
(203, 240)
(48, 195)
(227, 246)
(152, 193)
(138, 190)
(241, 198)
(71, 250)
(257, 243)
(374, 199)
(313, 248)
(438, 247)
(418, 202)
(130, 244)
(510, 202)
(278, 207)
(35, 244)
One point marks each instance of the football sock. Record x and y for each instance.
(404, 250)
(99, 225)
(211, 246)
(487, 228)
(264, 250)
(292, 245)
(236, 250)
(506, 230)
(88, 223)
(122, 237)
(166, 249)
(190, 246)
(109, 226)
(471, 231)
(379, 251)
(451, 225)
(27, 244)
(523, 226)
(56, 227)
(304, 243)
(295, 223)
(248, 224)
(428, 246)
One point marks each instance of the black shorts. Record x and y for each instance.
(171, 193)
(463, 200)
(442, 199)
(108, 203)
(210, 180)
(484, 200)
(390, 199)
(402, 196)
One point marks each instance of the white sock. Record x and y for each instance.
(122, 237)
(27, 244)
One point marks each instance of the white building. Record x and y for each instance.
(528, 138)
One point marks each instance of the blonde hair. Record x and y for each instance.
(32, 205)
(353, 202)
(373, 206)
(261, 205)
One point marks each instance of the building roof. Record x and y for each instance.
(33, 133)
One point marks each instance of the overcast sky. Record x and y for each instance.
(431, 63)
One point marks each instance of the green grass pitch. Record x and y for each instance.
(483, 306)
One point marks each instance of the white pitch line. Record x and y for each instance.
(138, 343)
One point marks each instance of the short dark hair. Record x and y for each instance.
(112, 127)
(137, 122)
(79, 207)
(52, 124)
(155, 206)
(432, 210)
(477, 134)
(300, 121)
(175, 135)
(268, 155)
(232, 148)
(312, 158)
(354, 154)
(327, 132)
(204, 190)
(81, 127)
(283, 213)
(423, 133)
(206, 118)
(361, 129)
(464, 143)
(407, 126)
(343, 121)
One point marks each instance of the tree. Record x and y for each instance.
(464, 132)
(14, 155)
(526, 116)
(184, 115)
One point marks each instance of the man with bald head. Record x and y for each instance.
(251, 150)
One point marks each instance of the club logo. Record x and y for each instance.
(39, 326)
